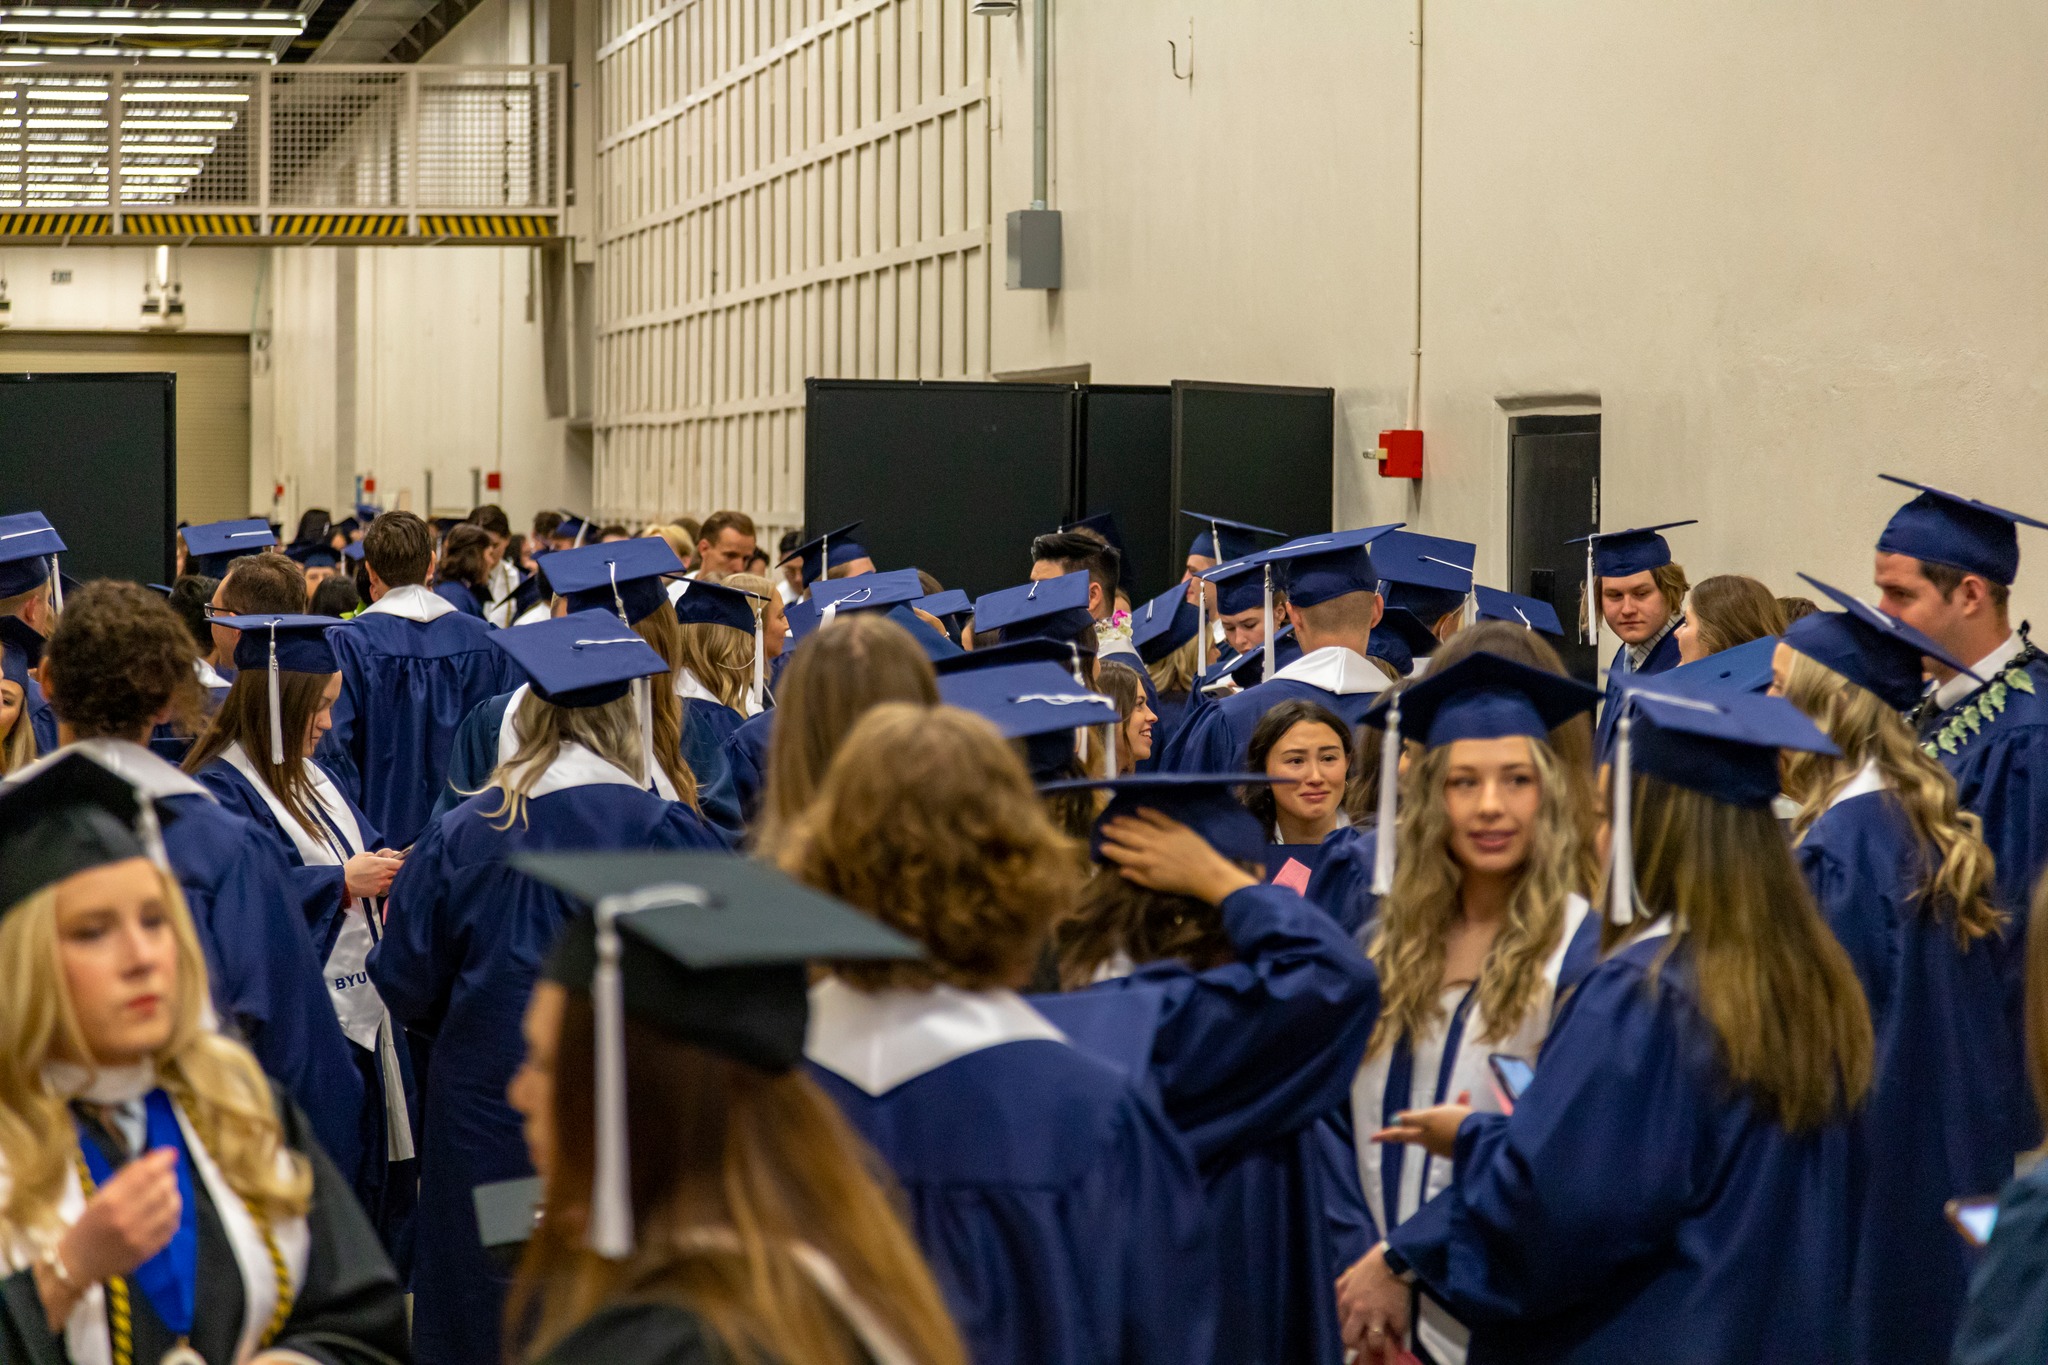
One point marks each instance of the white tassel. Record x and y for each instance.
(151, 832)
(825, 616)
(1621, 861)
(56, 586)
(1110, 731)
(1201, 628)
(1267, 674)
(276, 706)
(760, 658)
(397, 1121)
(1390, 795)
(643, 699)
(611, 1203)
(1471, 612)
(1592, 622)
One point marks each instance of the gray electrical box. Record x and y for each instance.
(1034, 249)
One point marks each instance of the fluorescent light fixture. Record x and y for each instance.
(165, 53)
(175, 23)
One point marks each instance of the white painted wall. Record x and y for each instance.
(104, 293)
(1787, 246)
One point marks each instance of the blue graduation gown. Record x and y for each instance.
(461, 597)
(1172, 708)
(384, 1189)
(1252, 1060)
(1633, 1207)
(34, 704)
(1060, 1212)
(1216, 740)
(1662, 659)
(405, 687)
(462, 946)
(706, 727)
(1340, 874)
(1949, 1081)
(266, 977)
(746, 765)
(2007, 1316)
(474, 754)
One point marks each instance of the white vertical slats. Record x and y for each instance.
(787, 188)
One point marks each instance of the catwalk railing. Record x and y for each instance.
(192, 154)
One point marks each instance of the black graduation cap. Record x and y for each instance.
(347, 526)
(709, 948)
(29, 547)
(70, 817)
(1206, 803)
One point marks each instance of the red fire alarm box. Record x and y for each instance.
(494, 481)
(1400, 455)
(370, 484)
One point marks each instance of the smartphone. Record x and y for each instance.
(1512, 1073)
(1974, 1218)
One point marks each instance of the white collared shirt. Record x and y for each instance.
(1987, 668)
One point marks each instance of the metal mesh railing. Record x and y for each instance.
(411, 140)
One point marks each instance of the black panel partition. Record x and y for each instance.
(1127, 469)
(97, 455)
(1256, 453)
(955, 478)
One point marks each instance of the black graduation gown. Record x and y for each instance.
(350, 1311)
(642, 1333)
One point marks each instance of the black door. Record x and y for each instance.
(1127, 469)
(1554, 497)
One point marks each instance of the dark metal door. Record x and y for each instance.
(1554, 497)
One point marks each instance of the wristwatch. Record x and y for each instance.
(1397, 1264)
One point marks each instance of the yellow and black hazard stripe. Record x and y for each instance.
(359, 225)
(189, 225)
(54, 224)
(516, 227)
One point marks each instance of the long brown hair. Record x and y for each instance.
(1770, 977)
(1410, 939)
(611, 731)
(928, 821)
(663, 634)
(839, 673)
(1570, 743)
(733, 1169)
(1271, 729)
(1732, 609)
(1958, 886)
(1116, 916)
(2036, 1008)
(244, 717)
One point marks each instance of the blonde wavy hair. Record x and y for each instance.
(1416, 917)
(214, 1080)
(18, 746)
(1176, 673)
(1867, 730)
(928, 821)
(611, 731)
(664, 636)
(719, 657)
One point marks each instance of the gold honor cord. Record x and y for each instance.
(121, 1315)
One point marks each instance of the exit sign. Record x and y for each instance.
(60, 277)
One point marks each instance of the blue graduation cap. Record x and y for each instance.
(367, 512)
(1248, 668)
(1873, 649)
(1622, 554)
(1430, 576)
(1740, 668)
(1222, 539)
(583, 659)
(869, 591)
(1316, 569)
(353, 550)
(1164, 624)
(288, 643)
(314, 555)
(21, 648)
(709, 949)
(572, 528)
(623, 578)
(945, 605)
(1482, 696)
(347, 526)
(29, 547)
(1401, 637)
(1055, 608)
(1240, 585)
(714, 604)
(819, 557)
(1206, 803)
(1039, 703)
(527, 594)
(209, 549)
(1532, 612)
(1725, 747)
(1039, 650)
(1963, 533)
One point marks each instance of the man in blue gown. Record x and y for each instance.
(1945, 566)
(411, 668)
(1333, 604)
(1641, 595)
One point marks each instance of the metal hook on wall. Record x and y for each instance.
(1173, 55)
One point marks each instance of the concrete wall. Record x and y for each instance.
(1782, 246)
(406, 362)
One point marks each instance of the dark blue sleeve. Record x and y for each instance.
(685, 828)
(41, 718)
(1265, 1045)
(745, 761)
(340, 748)
(2005, 780)
(423, 947)
(474, 755)
(1858, 910)
(1351, 1229)
(1150, 1199)
(1537, 1217)
(704, 736)
(2006, 1318)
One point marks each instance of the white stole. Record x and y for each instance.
(413, 602)
(878, 1040)
(508, 745)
